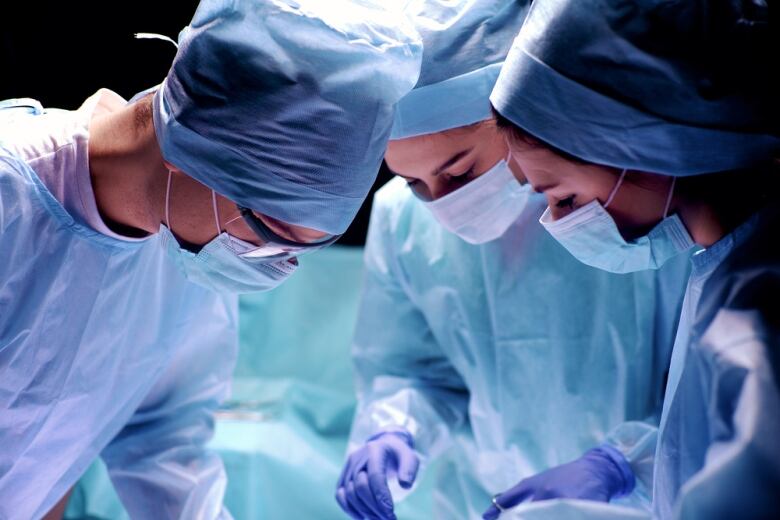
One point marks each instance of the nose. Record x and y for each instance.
(436, 188)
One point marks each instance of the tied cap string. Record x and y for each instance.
(155, 36)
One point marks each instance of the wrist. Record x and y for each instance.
(620, 467)
(398, 431)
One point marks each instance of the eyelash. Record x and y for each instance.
(568, 202)
(467, 175)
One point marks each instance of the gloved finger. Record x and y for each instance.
(364, 492)
(343, 476)
(377, 480)
(408, 464)
(491, 514)
(341, 498)
(515, 495)
(355, 501)
(355, 462)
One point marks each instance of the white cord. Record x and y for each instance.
(167, 200)
(669, 197)
(155, 36)
(615, 189)
(216, 211)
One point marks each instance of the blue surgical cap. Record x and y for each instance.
(285, 106)
(464, 44)
(672, 87)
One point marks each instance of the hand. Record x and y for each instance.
(362, 490)
(601, 474)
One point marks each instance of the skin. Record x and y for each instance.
(129, 178)
(440, 163)
(58, 511)
(710, 206)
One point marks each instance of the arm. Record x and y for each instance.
(738, 359)
(403, 378)
(622, 466)
(158, 462)
(636, 440)
(409, 395)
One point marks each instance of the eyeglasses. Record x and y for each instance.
(275, 245)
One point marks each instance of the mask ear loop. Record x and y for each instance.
(216, 212)
(168, 201)
(615, 189)
(220, 229)
(669, 197)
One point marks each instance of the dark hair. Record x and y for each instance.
(514, 132)
(142, 113)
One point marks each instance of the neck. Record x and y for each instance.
(712, 206)
(127, 171)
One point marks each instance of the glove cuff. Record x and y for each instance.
(621, 465)
(397, 431)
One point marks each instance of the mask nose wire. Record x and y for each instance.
(669, 197)
(615, 189)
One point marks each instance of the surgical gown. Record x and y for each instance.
(511, 356)
(105, 350)
(719, 443)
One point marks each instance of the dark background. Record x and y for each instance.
(62, 52)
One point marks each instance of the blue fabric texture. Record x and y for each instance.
(285, 106)
(286, 424)
(479, 350)
(665, 87)
(105, 349)
(718, 454)
(464, 44)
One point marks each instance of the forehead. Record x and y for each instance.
(425, 152)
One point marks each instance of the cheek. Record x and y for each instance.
(636, 216)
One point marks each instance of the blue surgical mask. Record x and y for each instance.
(218, 265)
(483, 209)
(591, 235)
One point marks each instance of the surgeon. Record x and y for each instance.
(661, 131)
(478, 335)
(125, 231)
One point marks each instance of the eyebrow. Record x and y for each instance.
(544, 187)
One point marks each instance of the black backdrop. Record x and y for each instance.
(61, 52)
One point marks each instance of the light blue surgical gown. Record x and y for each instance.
(511, 354)
(105, 350)
(719, 443)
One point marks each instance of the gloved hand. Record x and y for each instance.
(362, 489)
(601, 474)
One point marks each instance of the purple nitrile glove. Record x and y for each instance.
(601, 474)
(362, 490)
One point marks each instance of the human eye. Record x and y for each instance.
(464, 177)
(568, 202)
